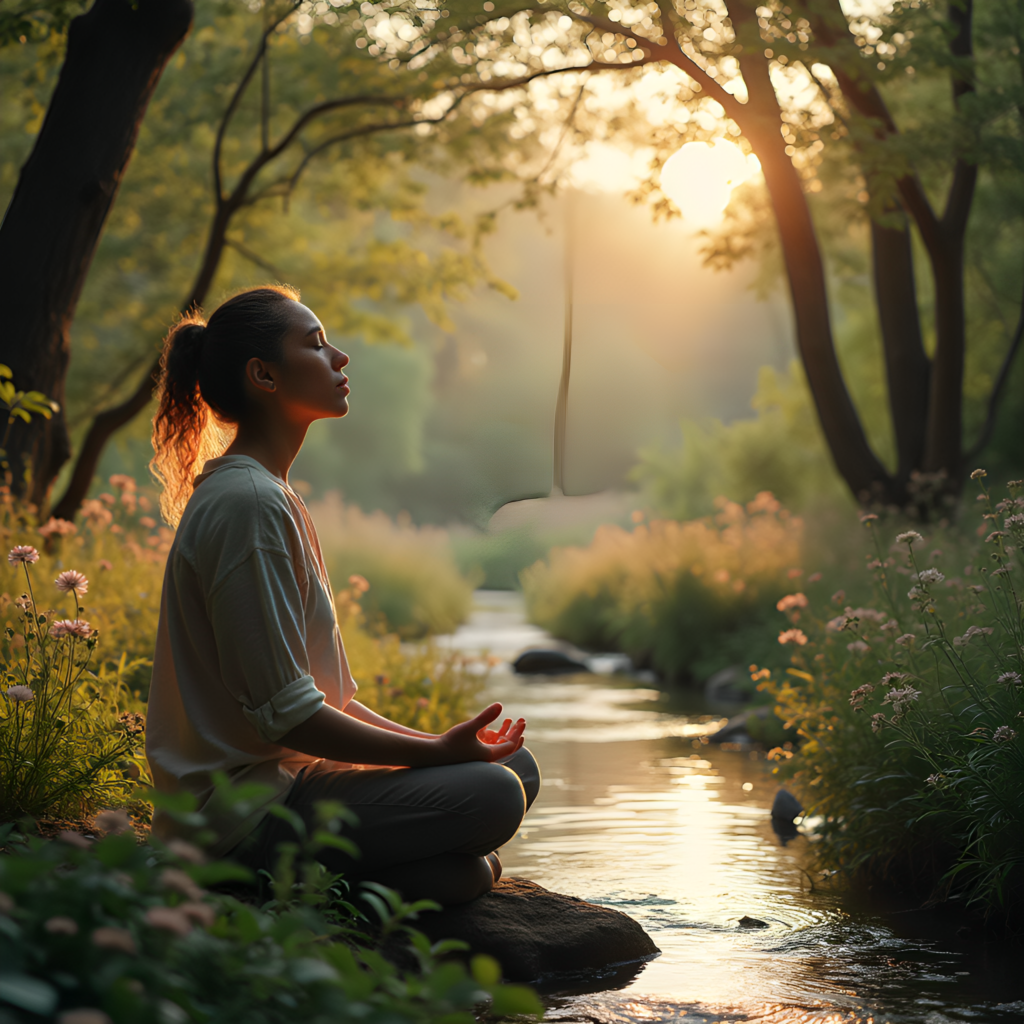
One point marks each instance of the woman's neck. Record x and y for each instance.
(273, 445)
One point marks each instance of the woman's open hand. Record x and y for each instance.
(473, 741)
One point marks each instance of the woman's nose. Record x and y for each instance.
(341, 360)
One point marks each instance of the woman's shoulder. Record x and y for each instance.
(237, 507)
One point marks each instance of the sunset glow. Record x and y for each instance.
(699, 178)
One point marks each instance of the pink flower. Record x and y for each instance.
(201, 913)
(105, 565)
(114, 822)
(115, 938)
(61, 926)
(791, 601)
(877, 721)
(169, 919)
(72, 580)
(793, 636)
(178, 881)
(358, 583)
(22, 554)
(60, 527)
(20, 693)
(122, 482)
(71, 627)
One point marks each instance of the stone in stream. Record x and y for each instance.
(547, 663)
(536, 934)
(786, 807)
(752, 922)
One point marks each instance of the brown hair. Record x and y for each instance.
(201, 386)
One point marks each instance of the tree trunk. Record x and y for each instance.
(908, 370)
(115, 55)
(857, 464)
(107, 423)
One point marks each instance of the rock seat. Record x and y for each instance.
(536, 934)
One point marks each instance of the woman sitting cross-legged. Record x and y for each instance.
(250, 676)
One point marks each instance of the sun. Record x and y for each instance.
(699, 178)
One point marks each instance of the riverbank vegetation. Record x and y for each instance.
(117, 932)
(910, 713)
(683, 598)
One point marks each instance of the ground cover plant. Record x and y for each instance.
(116, 932)
(685, 598)
(910, 713)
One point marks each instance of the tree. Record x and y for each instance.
(739, 62)
(116, 53)
(258, 164)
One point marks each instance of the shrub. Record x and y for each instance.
(416, 588)
(910, 714)
(115, 932)
(685, 598)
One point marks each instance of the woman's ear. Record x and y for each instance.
(259, 374)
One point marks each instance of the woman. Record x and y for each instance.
(250, 676)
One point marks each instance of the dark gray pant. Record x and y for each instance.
(423, 831)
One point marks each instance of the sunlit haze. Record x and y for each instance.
(699, 178)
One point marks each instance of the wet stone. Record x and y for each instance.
(536, 934)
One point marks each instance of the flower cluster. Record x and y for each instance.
(791, 601)
(900, 699)
(858, 696)
(793, 636)
(972, 631)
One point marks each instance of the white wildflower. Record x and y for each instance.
(1004, 734)
(1009, 679)
(972, 631)
(909, 538)
(931, 576)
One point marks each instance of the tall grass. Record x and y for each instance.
(416, 588)
(684, 598)
(910, 712)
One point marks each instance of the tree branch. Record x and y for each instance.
(671, 54)
(236, 98)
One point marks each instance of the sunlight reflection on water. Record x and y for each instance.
(636, 814)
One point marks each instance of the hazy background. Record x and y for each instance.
(455, 425)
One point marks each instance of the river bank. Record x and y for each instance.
(636, 813)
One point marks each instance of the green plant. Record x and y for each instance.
(114, 932)
(910, 713)
(63, 746)
(685, 598)
(416, 588)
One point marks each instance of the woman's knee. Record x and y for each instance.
(524, 764)
(500, 804)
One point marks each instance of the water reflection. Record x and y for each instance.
(639, 814)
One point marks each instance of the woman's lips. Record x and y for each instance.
(343, 383)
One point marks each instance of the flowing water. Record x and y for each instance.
(637, 813)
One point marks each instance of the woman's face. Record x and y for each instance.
(309, 380)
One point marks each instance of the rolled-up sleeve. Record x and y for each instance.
(257, 615)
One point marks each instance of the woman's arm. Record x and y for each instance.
(337, 736)
(364, 714)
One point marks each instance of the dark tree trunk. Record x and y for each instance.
(908, 370)
(105, 424)
(761, 121)
(115, 55)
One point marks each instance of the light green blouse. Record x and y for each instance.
(248, 644)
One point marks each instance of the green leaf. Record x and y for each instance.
(28, 993)
(510, 999)
(485, 970)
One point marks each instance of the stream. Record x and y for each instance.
(638, 814)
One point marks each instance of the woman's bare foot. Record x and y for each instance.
(495, 861)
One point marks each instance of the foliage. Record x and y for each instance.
(63, 747)
(684, 598)
(114, 932)
(781, 450)
(415, 586)
(912, 760)
(423, 686)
